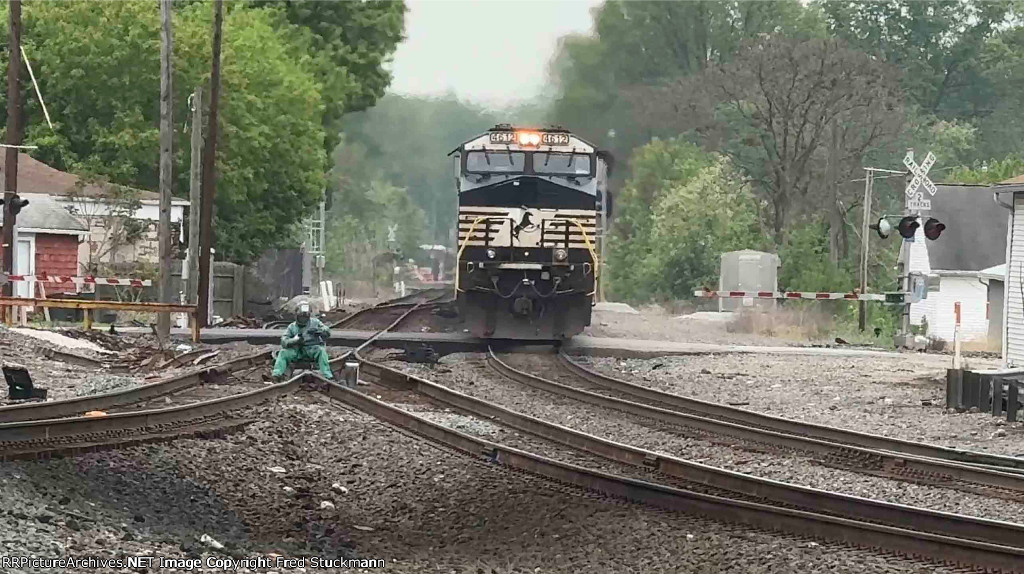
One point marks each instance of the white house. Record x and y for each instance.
(92, 205)
(959, 263)
(1010, 195)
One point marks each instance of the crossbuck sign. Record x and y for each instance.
(915, 199)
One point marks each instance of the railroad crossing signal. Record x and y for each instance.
(907, 227)
(920, 174)
(915, 199)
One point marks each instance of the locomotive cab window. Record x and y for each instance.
(495, 162)
(574, 164)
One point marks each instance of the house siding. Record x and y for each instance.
(57, 255)
(1014, 301)
(972, 295)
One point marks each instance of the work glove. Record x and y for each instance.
(294, 341)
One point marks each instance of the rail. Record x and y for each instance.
(867, 460)
(782, 425)
(902, 539)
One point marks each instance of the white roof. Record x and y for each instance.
(994, 272)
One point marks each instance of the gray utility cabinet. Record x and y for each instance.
(748, 270)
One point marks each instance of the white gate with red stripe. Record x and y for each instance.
(812, 295)
(83, 280)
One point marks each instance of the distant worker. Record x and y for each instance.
(305, 340)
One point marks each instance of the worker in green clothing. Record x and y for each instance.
(304, 340)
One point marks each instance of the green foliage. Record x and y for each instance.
(806, 265)
(349, 44)
(358, 244)
(651, 43)
(405, 141)
(98, 67)
(982, 173)
(679, 210)
(937, 44)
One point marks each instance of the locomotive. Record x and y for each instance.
(532, 203)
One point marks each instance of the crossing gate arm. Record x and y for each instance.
(810, 295)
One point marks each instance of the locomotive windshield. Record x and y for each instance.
(561, 163)
(495, 162)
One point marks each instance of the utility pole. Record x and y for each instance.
(163, 322)
(209, 180)
(865, 235)
(13, 139)
(194, 196)
(903, 273)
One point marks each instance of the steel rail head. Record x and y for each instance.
(833, 434)
(907, 542)
(121, 397)
(853, 507)
(955, 470)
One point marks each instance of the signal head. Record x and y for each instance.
(933, 228)
(883, 228)
(908, 226)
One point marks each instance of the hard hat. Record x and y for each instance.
(302, 316)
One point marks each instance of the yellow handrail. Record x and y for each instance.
(593, 253)
(465, 242)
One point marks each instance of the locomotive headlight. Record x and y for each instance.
(528, 138)
(491, 254)
(561, 254)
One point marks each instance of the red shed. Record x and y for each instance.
(48, 238)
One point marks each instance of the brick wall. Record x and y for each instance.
(57, 255)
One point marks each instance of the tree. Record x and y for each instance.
(649, 44)
(406, 141)
(785, 102)
(937, 44)
(349, 44)
(98, 67)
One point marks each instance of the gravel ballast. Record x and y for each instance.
(468, 373)
(392, 496)
(901, 397)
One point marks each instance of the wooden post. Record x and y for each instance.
(238, 291)
(869, 177)
(42, 295)
(13, 139)
(163, 321)
(194, 196)
(956, 336)
(209, 190)
(87, 319)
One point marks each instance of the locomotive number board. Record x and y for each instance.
(545, 138)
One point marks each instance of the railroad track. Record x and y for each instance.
(757, 502)
(118, 419)
(877, 462)
(618, 387)
(372, 318)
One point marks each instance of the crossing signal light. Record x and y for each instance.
(16, 204)
(883, 228)
(933, 228)
(908, 226)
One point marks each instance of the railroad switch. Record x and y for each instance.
(19, 384)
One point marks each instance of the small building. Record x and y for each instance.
(973, 242)
(47, 244)
(748, 270)
(121, 222)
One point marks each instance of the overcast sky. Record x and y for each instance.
(490, 52)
